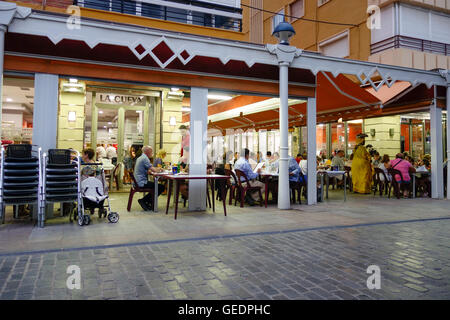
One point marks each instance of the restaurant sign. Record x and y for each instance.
(108, 98)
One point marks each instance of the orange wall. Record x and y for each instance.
(61, 7)
(309, 34)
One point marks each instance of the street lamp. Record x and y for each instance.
(283, 32)
(285, 54)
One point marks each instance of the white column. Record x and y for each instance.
(45, 113)
(437, 183)
(312, 166)
(284, 202)
(448, 138)
(2, 53)
(197, 148)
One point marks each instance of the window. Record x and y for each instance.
(152, 11)
(321, 2)
(297, 9)
(337, 46)
(276, 20)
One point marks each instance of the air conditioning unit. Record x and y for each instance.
(175, 95)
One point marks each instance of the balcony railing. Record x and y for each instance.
(169, 13)
(411, 43)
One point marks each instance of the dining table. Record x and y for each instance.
(333, 173)
(179, 177)
(156, 177)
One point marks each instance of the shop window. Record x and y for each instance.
(17, 110)
(337, 137)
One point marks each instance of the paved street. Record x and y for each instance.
(311, 263)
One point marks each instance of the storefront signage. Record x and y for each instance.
(108, 98)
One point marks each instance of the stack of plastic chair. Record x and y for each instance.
(19, 176)
(61, 179)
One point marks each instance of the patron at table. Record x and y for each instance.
(142, 169)
(243, 165)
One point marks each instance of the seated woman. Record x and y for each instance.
(399, 163)
(159, 159)
(384, 165)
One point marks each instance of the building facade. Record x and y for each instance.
(404, 33)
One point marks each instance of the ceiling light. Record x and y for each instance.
(218, 97)
(101, 112)
(105, 127)
(9, 100)
(109, 122)
(73, 80)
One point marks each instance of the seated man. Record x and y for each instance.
(243, 165)
(141, 170)
(338, 161)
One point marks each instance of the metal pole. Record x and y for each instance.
(448, 140)
(312, 166)
(283, 180)
(436, 150)
(2, 52)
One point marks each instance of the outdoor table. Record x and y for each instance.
(266, 175)
(180, 177)
(328, 174)
(156, 177)
(422, 173)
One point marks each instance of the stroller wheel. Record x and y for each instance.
(113, 217)
(87, 220)
(80, 220)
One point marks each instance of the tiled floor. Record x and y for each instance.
(317, 252)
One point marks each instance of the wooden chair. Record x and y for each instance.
(135, 188)
(379, 184)
(394, 184)
(243, 190)
(115, 175)
(230, 186)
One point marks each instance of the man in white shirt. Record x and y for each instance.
(101, 152)
(111, 152)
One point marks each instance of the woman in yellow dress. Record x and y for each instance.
(361, 167)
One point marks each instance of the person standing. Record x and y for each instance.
(361, 166)
(111, 152)
(185, 141)
(141, 171)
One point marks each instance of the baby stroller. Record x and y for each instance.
(94, 194)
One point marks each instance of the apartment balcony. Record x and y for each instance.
(193, 12)
(411, 43)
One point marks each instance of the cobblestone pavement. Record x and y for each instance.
(320, 263)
